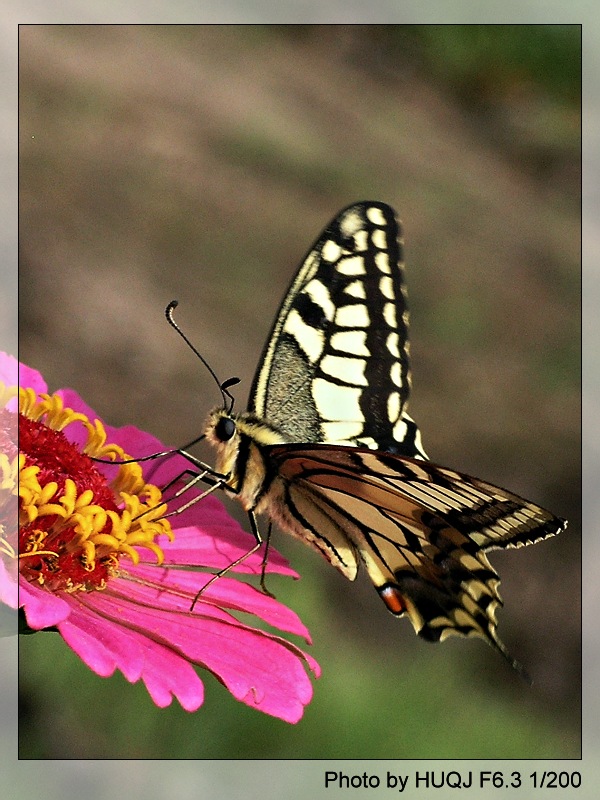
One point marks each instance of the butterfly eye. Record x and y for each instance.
(224, 429)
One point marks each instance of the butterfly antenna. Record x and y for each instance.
(223, 387)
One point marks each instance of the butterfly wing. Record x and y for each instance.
(335, 367)
(421, 530)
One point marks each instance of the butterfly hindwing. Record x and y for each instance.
(421, 530)
(336, 367)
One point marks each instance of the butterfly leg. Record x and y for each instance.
(205, 476)
(238, 561)
(265, 561)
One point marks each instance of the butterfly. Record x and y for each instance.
(329, 453)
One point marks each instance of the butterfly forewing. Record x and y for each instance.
(335, 367)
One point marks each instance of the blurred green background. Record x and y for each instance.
(199, 163)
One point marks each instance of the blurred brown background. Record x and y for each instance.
(199, 163)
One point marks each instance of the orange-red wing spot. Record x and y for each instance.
(393, 599)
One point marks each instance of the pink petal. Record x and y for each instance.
(167, 675)
(104, 647)
(42, 609)
(259, 669)
(176, 589)
(216, 540)
(31, 379)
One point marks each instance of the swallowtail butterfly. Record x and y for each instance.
(328, 451)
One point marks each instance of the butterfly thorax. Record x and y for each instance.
(239, 440)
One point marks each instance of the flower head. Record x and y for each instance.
(99, 561)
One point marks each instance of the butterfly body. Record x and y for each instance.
(249, 458)
(329, 452)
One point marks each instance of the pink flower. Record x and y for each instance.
(99, 561)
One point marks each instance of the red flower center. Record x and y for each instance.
(50, 543)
